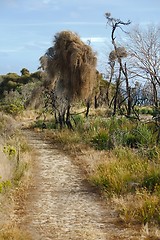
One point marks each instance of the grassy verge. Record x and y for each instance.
(126, 167)
(15, 165)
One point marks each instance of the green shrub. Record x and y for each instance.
(139, 136)
(38, 124)
(12, 103)
(102, 141)
(130, 140)
(79, 121)
(14, 108)
(12, 85)
(150, 111)
(4, 185)
(151, 181)
(114, 132)
(144, 111)
(144, 135)
(152, 153)
(9, 150)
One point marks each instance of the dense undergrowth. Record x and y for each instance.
(129, 172)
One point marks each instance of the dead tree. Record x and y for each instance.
(116, 55)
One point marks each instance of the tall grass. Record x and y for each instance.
(142, 207)
(126, 176)
(123, 167)
(129, 173)
(15, 159)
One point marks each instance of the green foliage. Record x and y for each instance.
(25, 71)
(149, 211)
(140, 136)
(156, 112)
(37, 123)
(12, 103)
(24, 79)
(14, 82)
(102, 141)
(151, 152)
(145, 110)
(130, 140)
(11, 84)
(44, 124)
(126, 169)
(130, 168)
(12, 75)
(14, 108)
(151, 181)
(79, 122)
(9, 150)
(37, 75)
(109, 133)
(19, 173)
(144, 135)
(4, 185)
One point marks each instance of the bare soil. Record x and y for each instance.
(61, 204)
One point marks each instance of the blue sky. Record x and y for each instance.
(28, 26)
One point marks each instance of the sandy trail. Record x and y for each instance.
(60, 203)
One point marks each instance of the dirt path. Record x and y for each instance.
(61, 206)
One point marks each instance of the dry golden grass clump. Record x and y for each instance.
(15, 177)
(72, 65)
(11, 232)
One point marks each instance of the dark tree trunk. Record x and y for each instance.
(88, 107)
(95, 102)
(68, 122)
(60, 120)
(155, 95)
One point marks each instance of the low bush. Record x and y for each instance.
(152, 180)
(102, 141)
(4, 185)
(14, 108)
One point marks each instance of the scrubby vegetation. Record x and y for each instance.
(15, 159)
(15, 90)
(129, 172)
(123, 124)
